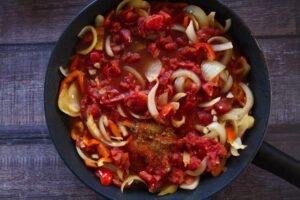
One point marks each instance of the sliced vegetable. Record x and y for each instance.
(188, 74)
(208, 49)
(108, 49)
(121, 111)
(218, 129)
(186, 158)
(178, 96)
(84, 157)
(151, 101)
(137, 75)
(222, 40)
(178, 27)
(191, 33)
(191, 186)
(210, 103)
(178, 123)
(130, 180)
(211, 69)
(153, 69)
(82, 33)
(63, 71)
(179, 84)
(99, 20)
(199, 14)
(105, 176)
(200, 170)
(168, 189)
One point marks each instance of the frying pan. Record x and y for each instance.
(258, 152)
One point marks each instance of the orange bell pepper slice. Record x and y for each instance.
(231, 135)
(186, 21)
(90, 164)
(114, 129)
(103, 150)
(75, 75)
(75, 63)
(208, 49)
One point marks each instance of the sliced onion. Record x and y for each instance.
(163, 99)
(153, 70)
(178, 96)
(228, 53)
(227, 25)
(121, 111)
(151, 101)
(92, 127)
(198, 13)
(243, 124)
(130, 180)
(178, 27)
(222, 47)
(138, 116)
(191, 186)
(103, 129)
(195, 22)
(246, 67)
(211, 18)
(210, 103)
(210, 69)
(115, 144)
(201, 128)
(84, 157)
(238, 113)
(219, 130)
(123, 129)
(121, 5)
(168, 189)
(228, 84)
(178, 123)
(108, 47)
(200, 170)
(137, 75)
(99, 20)
(237, 144)
(234, 151)
(186, 158)
(63, 71)
(132, 3)
(191, 33)
(74, 98)
(175, 105)
(120, 174)
(179, 84)
(188, 74)
(94, 41)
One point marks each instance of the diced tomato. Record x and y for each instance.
(176, 176)
(158, 21)
(105, 176)
(206, 32)
(205, 118)
(94, 110)
(223, 106)
(126, 35)
(137, 101)
(95, 56)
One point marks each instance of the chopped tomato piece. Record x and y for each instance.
(208, 49)
(106, 176)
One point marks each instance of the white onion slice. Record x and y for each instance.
(163, 99)
(92, 127)
(121, 111)
(151, 101)
(228, 85)
(222, 47)
(63, 71)
(138, 116)
(130, 180)
(201, 128)
(238, 113)
(243, 124)
(200, 170)
(137, 75)
(191, 33)
(94, 41)
(84, 157)
(178, 123)
(227, 25)
(178, 27)
(123, 129)
(188, 74)
(219, 130)
(210, 69)
(211, 18)
(178, 96)
(198, 13)
(209, 103)
(175, 105)
(168, 189)
(153, 70)
(190, 186)
(99, 20)
(132, 3)
(179, 84)
(186, 158)
(103, 129)
(195, 21)
(237, 144)
(234, 151)
(228, 53)
(108, 47)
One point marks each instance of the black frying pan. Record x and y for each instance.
(258, 152)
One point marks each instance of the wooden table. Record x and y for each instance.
(30, 167)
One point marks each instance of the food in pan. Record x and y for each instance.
(157, 94)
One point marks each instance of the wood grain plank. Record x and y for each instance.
(23, 67)
(36, 172)
(43, 21)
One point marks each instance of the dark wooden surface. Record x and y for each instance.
(30, 167)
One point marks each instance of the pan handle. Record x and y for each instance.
(284, 166)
